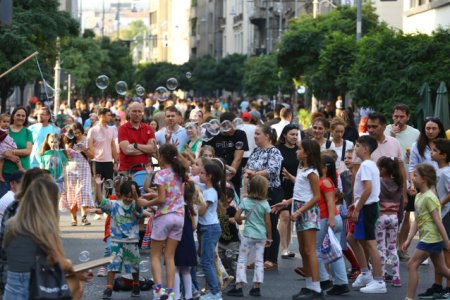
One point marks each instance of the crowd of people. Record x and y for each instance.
(224, 186)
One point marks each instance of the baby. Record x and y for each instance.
(6, 144)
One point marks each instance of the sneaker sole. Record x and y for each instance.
(374, 292)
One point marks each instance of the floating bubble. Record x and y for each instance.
(84, 256)
(239, 145)
(144, 266)
(226, 126)
(109, 184)
(78, 147)
(188, 75)
(301, 89)
(238, 122)
(130, 148)
(140, 90)
(121, 87)
(161, 93)
(206, 134)
(102, 82)
(69, 135)
(172, 84)
(214, 127)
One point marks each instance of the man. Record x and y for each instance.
(276, 115)
(40, 131)
(406, 135)
(137, 134)
(231, 145)
(101, 143)
(8, 198)
(172, 133)
(286, 118)
(249, 130)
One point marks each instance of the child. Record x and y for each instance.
(53, 158)
(125, 216)
(440, 153)
(6, 144)
(432, 235)
(391, 206)
(257, 235)
(366, 209)
(207, 152)
(185, 255)
(209, 226)
(306, 214)
(169, 217)
(329, 217)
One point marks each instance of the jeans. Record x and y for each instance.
(210, 237)
(17, 286)
(337, 268)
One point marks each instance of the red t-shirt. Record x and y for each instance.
(139, 136)
(322, 202)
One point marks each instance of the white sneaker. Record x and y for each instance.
(426, 262)
(362, 280)
(97, 217)
(157, 295)
(102, 272)
(211, 296)
(374, 287)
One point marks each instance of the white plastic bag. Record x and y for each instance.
(331, 249)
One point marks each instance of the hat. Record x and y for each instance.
(246, 116)
(339, 104)
(16, 176)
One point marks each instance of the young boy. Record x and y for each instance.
(440, 153)
(124, 230)
(366, 193)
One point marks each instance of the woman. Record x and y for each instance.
(287, 144)
(351, 132)
(23, 139)
(421, 150)
(192, 149)
(32, 232)
(77, 191)
(266, 160)
(320, 128)
(340, 145)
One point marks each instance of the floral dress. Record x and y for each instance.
(77, 186)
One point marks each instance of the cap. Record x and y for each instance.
(16, 176)
(246, 116)
(339, 104)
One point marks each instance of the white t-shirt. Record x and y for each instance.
(210, 217)
(5, 201)
(340, 166)
(367, 171)
(279, 127)
(302, 188)
(249, 130)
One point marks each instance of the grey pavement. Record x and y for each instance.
(279, 284)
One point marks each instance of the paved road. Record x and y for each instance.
(280, 284)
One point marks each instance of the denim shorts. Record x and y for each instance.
(309, 219)
(17, 286)
(434, 248)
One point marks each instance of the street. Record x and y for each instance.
(280, 284)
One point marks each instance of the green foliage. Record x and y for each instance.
(230, 72)
(35, 27)
(154, 75)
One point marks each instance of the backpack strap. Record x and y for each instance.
(328, 144)
(343, 150)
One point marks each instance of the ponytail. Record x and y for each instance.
(170, 155)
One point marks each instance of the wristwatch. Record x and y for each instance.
(135, 146)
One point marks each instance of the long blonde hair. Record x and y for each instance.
(38, 216)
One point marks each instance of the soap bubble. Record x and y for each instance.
(214, 127)
(140, 90)
(161, 93)
(69, 135)
(84, 256)
(239, 145)
(144, 266)
(102, 82)
(188, 75)
(172, 84)
(121, 87)
(206, 134)
(238, 122)
(226, 126)
(109, 184)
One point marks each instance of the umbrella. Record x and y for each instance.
(425, 108)
(441, 107)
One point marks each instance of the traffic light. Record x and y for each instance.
(5, 12)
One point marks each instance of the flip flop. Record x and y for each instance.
(268, 265)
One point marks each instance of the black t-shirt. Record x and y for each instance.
(231, 232)
(290, 162)
(225, 147)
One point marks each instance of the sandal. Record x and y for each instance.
(300, 271)
(268, 265)
(84, 221)
(74, 222)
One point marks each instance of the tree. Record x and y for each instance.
(230, 72)
(154, 75)
(36, 26)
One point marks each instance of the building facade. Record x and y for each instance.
(425, 16)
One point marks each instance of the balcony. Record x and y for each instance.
(222, 22)
(238, 19)
(258, 16)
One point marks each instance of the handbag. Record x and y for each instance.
(48, 282)
(331, 249)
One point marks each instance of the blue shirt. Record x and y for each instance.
(39, 134)
(210, 217)
(179, 137)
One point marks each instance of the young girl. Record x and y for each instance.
(185, 255)
(53, 158)
(257, 234)
(209, 226)
(433, 238)
(306, 214)
(329, 217)
(207, 152)
(169, 217)
(391, 206)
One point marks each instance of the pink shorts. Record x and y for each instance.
(168, 226)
